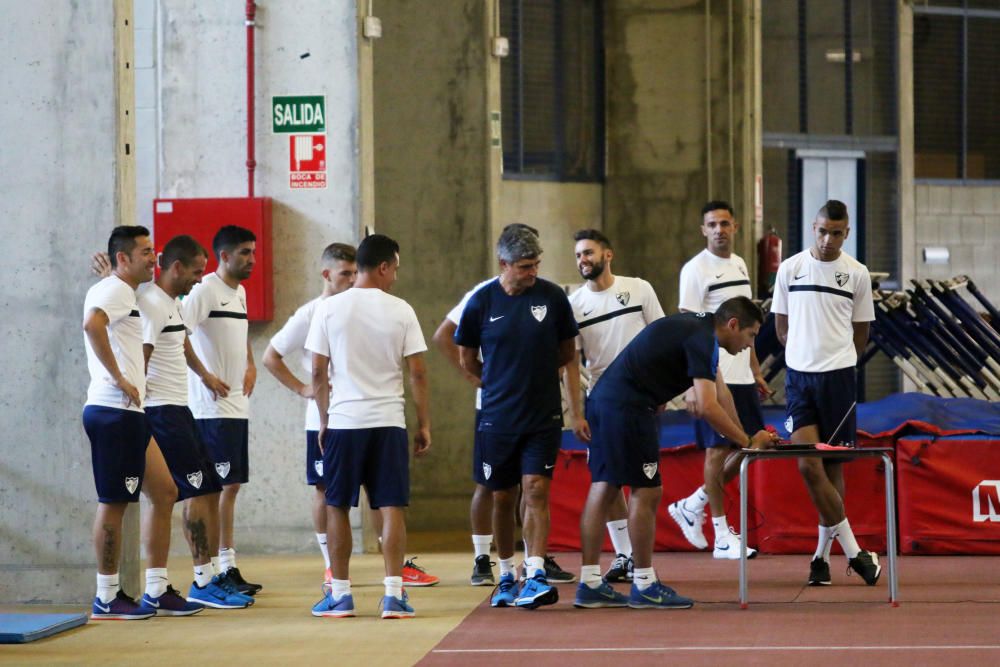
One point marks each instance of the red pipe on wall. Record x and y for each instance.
(251, 12)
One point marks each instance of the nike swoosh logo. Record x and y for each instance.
(802, 276)
(494, 319)
(102, 607)
(588, 312)
(152, 604)
(224, 303)
(657, 600)
(609, 596)
(718, 276)
(622, 527)
(550, 467)
(725, 548)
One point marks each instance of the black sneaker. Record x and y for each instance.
(242, 585)
(819, 572)
(866, 565)
(556, 574)
(482, 572)
(620, 571)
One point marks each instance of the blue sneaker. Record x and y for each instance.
(170, 604)
(393, 607)
(536, 592)
(122, 608)
(506, 591)
(217, 597)
(658, 596)
(343, 607)
(598, 598)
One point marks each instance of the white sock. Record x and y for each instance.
(643, 577)
(721, 526)
(591, 575)
(824, 543)
(203, 574)
(216, 564)
(321, 540)
(340, 587)
(506, 566)
(618, 530)
(696, 501)
(227, 558)
(107, 587)
(156, 581)
(481, 544)
(393, 586)
(844, 535)
(534, 565)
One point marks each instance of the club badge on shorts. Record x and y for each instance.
(487, 470)
(195, 479)
(131, 484)
(222, 469)
(649, 469)
(539, 312)
(318, 466)
(789, 424)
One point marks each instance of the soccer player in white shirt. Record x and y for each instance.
(609, 311)
(216, 313)
(823, 309)
(361, 339)
(709, 279)
(112, 416)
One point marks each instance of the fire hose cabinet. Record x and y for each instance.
(202, 218)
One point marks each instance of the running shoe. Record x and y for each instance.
(342, 607)
(242, 584)
(866, 565)
(819, 572)
(556, 574)
(728, 548)
(535, 593)
(598, 598)
(657, 596)
(689, 522)
(506, 592)
(414, 575)
(620, 571)
(482, 572)
(218, 596)
(393, 607)
(122, 608)
(170, 604)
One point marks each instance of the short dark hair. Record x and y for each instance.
(230, 236)
(375, 249)
(520, 225)
(122, 239)
(339, 251)
(181, 249)
(833, 209)
(746, 312)
(593, 235)
(717, 205)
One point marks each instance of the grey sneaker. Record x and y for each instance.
(482, 572)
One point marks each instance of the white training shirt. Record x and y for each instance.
(822, 300)
(455, 316)
(292, 338)
(707, 281)
(116, 299)
(367, 333)
(608, 320)
(217, 317)
(163, 328)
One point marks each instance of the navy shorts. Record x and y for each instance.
(118, 441)
(227, 443)
(822, 399)
(504, 457)
(477, 455)
(748, 409)
(187, 459)
(624, 445)
(379, 458)
(314, 459)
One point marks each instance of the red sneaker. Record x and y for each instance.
(414, 575)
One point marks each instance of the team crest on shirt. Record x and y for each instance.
(789, 424)
(222, 469)
(131, 484)
(623, 298)
(318, 466)
(841, 277)
(649, 469)
(539, 312)
(487, 470)
(195, 479)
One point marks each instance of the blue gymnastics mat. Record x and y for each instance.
(23, 628)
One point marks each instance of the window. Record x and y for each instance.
(552, 90)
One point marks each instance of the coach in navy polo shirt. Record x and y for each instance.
(525, 328)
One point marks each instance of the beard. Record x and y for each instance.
(595, 271)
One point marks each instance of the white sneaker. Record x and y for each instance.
(690, 523)
(728, 547)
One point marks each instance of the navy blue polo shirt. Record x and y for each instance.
(661, 361)
(519, 337)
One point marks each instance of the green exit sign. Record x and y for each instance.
(305, 114)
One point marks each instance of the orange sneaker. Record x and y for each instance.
(414, 575)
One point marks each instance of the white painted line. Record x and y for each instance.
(622, 649)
